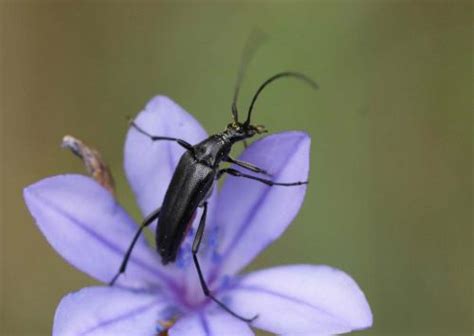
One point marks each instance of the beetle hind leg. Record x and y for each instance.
(205, 289)
(147, 221)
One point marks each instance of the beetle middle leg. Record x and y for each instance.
(270, 183)
(147, 221)
(247, 165)
(205, 289)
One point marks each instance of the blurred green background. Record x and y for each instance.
(390, 199)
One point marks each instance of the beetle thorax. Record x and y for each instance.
(212, 150)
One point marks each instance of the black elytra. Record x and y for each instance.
(193, 180)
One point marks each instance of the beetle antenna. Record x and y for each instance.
(296, 75)
(255, 39)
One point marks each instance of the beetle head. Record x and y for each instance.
(240, 131)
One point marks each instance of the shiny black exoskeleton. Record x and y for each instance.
(194, 177)
(192, 183)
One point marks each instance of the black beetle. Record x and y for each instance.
(193, 180)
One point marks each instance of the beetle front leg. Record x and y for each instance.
(181, 142)
(147, 221)
(205, 289)
(270, 183)
(246, 165)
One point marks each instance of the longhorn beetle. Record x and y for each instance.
(193, 179)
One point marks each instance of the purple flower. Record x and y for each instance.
(89, 228)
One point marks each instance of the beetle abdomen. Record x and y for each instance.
(168, 255)
(188, 188)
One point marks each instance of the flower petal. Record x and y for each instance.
(150, 165)
(97, 311)
(302, 299)
(252, 214)
(215, 324)
(85, 224)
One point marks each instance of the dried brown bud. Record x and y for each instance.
(95, 165)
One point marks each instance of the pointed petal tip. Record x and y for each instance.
(157, 100)
(361, 320)
(26, 192)
(364, 318)
(150, 165)
(29, 192)
(88, 228)
(303, 299)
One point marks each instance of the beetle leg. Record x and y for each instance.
(246, 165)
(147, 221)
(181, 142)
(205, 289)
(270, 183)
